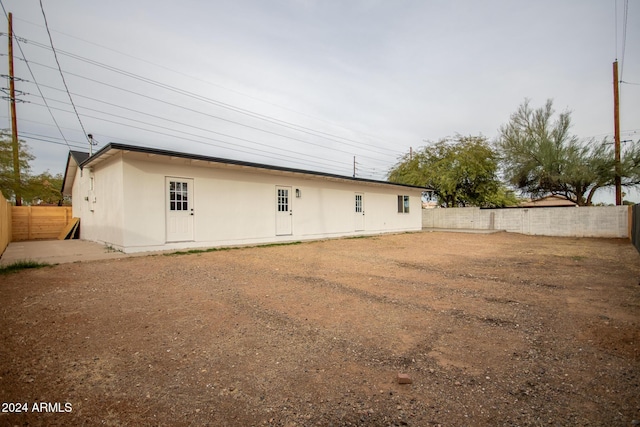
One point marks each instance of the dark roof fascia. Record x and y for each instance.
(168, 153)
(78, 157)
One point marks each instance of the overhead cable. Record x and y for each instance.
(46, 24)
(17, 39)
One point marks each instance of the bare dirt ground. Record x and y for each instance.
(500, 329)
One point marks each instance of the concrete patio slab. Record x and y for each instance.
(67, 251)
(58, 251)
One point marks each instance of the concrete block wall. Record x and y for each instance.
(592, 221)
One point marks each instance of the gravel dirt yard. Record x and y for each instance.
(498, 329)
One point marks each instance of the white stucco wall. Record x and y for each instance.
(232, 205)
(100, 209)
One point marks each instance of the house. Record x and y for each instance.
(550, 201)
(144, 199)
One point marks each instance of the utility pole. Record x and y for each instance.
(410, 153)
(616, 133)
(14, 121)
(354, 166)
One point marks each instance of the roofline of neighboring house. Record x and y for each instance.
(78, 157)
(534, 207)
(159, 152)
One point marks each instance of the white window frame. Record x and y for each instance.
(404, 202)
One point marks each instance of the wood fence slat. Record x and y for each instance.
(5, 223)
(39, 222)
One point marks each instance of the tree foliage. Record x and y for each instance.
(7, 180)
(540, 156)
(35, 189)
(461, 172)
(43, 189)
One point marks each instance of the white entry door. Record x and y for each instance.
(179, 194)
(284, 212)
(359, 218)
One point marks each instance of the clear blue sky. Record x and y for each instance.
(311, 84)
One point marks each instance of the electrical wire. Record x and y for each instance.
(180, 136)
(165, 119)
(32, 75)
(373, 169)
(269, 119)
(289, 125)
(55, 55)
(222, 87)
(45, 138)
(189, 133)
(624, 35)
(202, 112)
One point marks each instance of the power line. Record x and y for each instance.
(181, 136)
(624, 35)
(322, 160)
(45, 138)
(55, 55)
(203, 113)
(17, 39)
(164, 119)
(374, 172)
(292, 126)
(615, 23)
(255, 115)
(219, 86)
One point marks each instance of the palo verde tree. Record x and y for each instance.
(461, 172)
(541, 156)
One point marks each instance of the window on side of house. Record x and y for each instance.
(403, 204)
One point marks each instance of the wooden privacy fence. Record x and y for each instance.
(5, 223)
(38, 222)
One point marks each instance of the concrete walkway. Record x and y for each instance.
(58, 251)
(66, 251)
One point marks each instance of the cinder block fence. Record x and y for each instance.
(592, 221)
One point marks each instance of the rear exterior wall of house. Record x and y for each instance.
(135, 204)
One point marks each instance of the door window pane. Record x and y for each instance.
(178, 196)
(283, 200)
(358, 203)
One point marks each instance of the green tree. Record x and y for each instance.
(540, 156)
(461, 172)
(43, 188)
(7, 181)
